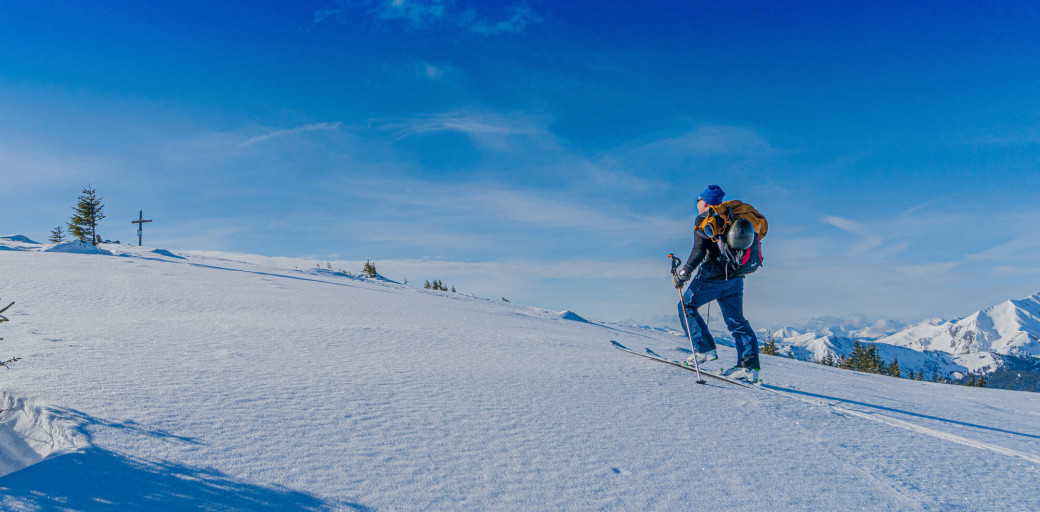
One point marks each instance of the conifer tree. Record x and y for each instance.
(57, 236)
(851, 362)
(893, 369)
(89, 210)
(920, 375)
(427, 286)
(873, 362)
(370, 269)
(769, 347)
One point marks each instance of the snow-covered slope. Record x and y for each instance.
(179, 381)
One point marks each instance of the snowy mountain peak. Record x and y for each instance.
(1010, 328)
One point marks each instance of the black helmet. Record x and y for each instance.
(741, 234)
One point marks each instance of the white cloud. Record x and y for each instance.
(290, 131)
(417, 13)
(869, 237)
(468, 122)
(323, 14)
(511, 210)
(429, 14)
(1020, 137)
(515, 132)
(517, 22)
(709, 140)
(434, 72)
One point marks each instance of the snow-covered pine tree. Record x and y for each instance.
(89, 210)
(769, 348)
(828, 359)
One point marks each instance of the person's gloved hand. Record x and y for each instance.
(679, 279)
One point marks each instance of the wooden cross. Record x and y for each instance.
(140, 225)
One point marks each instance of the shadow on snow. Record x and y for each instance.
(900, 411)
(101, 480)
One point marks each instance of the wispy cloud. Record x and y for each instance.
(717, 150)
(325, 13)
(470, 123)
(1021, 137)
(514, 211)
(417, 13)
(499, 132)
(290, 131)
(431, 14)
(869, 237)
(708, 140)
(520, 18)
(435, 72)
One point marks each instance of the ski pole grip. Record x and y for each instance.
(676, 262)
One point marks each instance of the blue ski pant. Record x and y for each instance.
(730, 296)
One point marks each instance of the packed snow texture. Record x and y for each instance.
(205, 382)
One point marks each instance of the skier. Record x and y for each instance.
(713, 282)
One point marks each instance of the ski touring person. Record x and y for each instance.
(712, 277)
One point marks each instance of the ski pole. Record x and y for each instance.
(682, 306)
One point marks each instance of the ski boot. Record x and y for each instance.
(738, 373)
(701, 358)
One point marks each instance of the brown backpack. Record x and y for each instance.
(719, 218)
(738, 262)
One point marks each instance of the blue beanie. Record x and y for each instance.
(712, 195)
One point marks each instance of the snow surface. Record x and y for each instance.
(159, 381)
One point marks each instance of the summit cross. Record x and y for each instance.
(140, 225)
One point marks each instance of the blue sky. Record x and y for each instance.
(547, 152)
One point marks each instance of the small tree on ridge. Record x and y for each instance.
(89, 210)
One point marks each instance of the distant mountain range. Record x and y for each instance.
(1005, 336)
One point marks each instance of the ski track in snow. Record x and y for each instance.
(209, 383)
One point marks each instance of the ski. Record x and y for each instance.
(656, 357)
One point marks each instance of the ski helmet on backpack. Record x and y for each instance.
(741, 234)
(736, 228)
